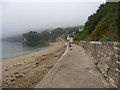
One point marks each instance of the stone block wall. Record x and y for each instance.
(107, 57)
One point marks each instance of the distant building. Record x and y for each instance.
(68, 38)
(71, 39)
(80, 29)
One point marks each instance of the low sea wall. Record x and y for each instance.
(107, 58)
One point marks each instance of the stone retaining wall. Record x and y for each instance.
(107, 57)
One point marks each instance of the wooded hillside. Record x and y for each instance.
(103, 25)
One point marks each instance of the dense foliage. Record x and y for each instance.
(31, 37)
(102, 25)
(49, 35)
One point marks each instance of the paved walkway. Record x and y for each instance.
(74, 70)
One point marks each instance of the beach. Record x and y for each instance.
(26, 71)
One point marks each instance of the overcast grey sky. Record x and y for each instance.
(19, 17)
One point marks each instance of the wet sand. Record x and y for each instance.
(26, 71)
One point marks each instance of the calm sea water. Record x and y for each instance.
(12, 49)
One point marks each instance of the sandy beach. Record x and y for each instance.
(26, 71)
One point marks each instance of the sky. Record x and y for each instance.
(20, 17)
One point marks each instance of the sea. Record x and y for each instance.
(12, 49)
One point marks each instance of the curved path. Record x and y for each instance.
(74, 70)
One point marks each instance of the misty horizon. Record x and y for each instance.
(28, 16)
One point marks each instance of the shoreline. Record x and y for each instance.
(26, 71)
(25, 53)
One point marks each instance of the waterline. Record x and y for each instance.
(12, 49)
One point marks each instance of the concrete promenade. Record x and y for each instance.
(74, 70)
